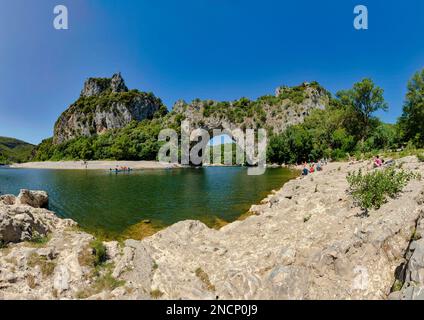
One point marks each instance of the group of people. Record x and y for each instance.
(120, 169)
(378, 162)
(318, 166)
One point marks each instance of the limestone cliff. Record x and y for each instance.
(108, 104)
(289, 106)
(104, 103)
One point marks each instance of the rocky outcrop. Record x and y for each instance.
(289, 106)
(21, 218)
(19, 224)
(97, 86)
(409, 284)
(104, 104)
(413, 287)
(35, 199)
(38, 250)
(305, 241)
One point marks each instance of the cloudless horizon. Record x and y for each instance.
(208, 49)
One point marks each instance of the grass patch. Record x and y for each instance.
(105, 282)
(156, 294)
(203, 276)
(39, 241)
(94, 255)
(86, 258)
(155, 266)
(397, 286)
(371, 190)
(47, 266)
(31, 282)
(416, 235)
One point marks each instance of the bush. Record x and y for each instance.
(420, 157)
(99, 252)
(371, 190)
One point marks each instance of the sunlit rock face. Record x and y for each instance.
(104, 104)
(289, 106)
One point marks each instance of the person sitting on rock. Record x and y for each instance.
(305, 170)
(377, 162)
(312, 168)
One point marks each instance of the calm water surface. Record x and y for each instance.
(99, 200)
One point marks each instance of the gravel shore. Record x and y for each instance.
(94, 165)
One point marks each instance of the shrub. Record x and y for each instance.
(99, 252)
(420, 157)
(371, 190)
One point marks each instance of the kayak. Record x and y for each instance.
(120, 171)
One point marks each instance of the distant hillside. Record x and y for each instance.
(14, 150)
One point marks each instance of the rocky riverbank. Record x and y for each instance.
(305, 241)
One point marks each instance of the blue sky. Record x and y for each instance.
(218, 49)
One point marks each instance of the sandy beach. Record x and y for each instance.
(94, 165)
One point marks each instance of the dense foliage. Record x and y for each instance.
(346, 127)
(372, 189)
(13, 150)
(138, 140)
(412, 120)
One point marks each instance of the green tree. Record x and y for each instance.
(411, 122)
(364, 98)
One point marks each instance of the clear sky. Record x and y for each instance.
(184, 49)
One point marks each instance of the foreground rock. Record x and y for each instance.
(308, 242)
(35, 199)
(305, 241)
(20, 221)
(410, 274)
